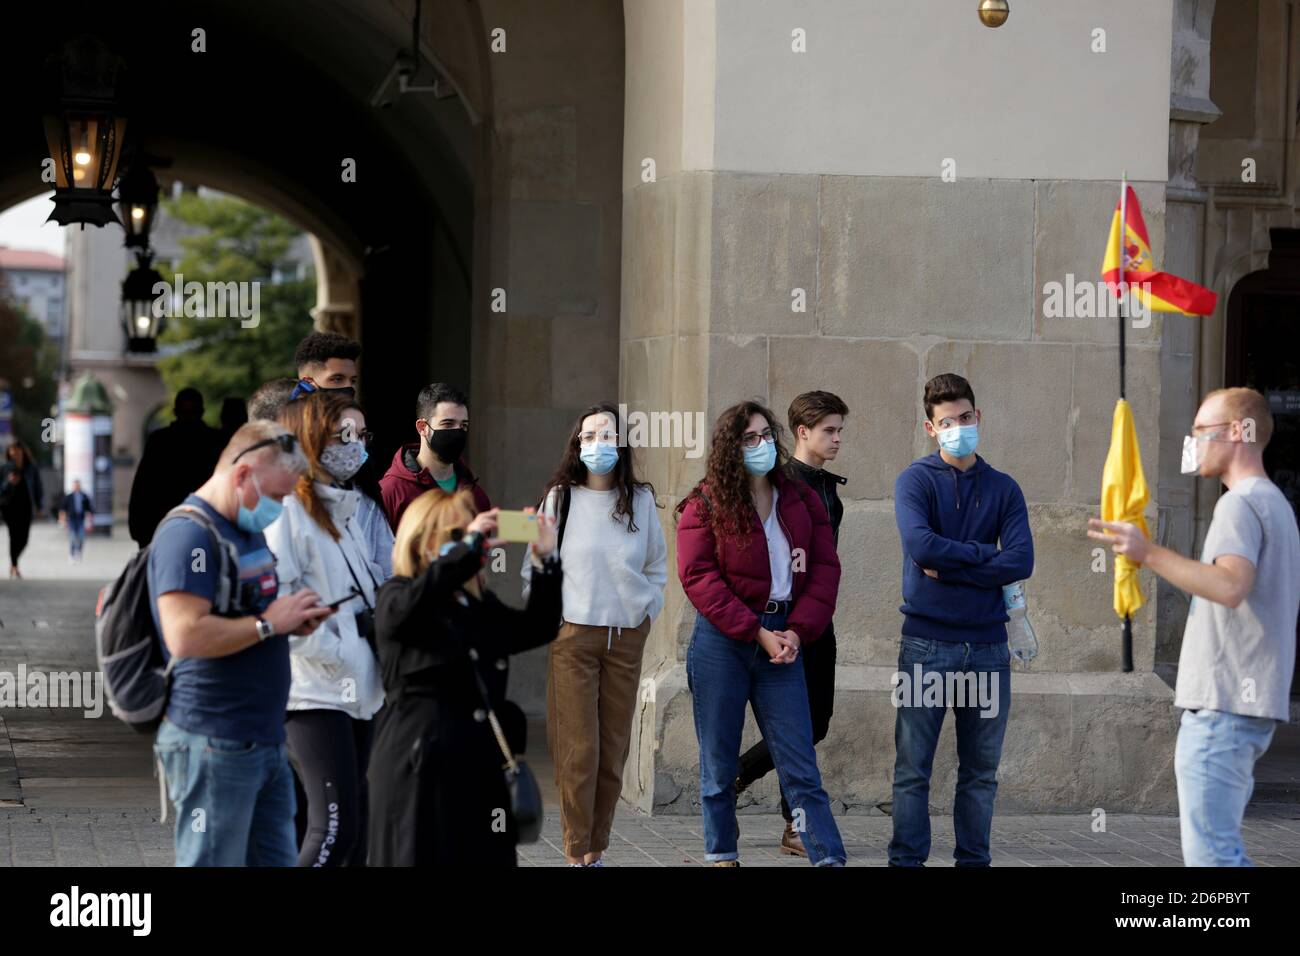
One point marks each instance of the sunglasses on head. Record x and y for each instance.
(286, 442)
(304, 387)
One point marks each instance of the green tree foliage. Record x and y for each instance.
(28, 371)
(218, 356)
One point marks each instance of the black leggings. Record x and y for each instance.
(329, 752)
(19, 522)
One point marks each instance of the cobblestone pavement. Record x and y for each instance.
(77, 791)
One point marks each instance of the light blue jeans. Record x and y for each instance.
(234, 799)
(1214, 763)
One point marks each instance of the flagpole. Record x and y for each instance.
(1127, 644)
(1123, 285)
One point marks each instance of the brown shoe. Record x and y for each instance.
(726, 863)
(791, 844)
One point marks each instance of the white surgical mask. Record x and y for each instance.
(1191, 456)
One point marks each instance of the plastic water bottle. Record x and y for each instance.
(1020, 633)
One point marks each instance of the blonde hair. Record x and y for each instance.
(1246, 404)
(426, 525)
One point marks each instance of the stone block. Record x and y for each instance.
(1023, 395)
(877, 380)
(904, 256)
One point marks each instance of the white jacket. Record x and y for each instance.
(333, 667)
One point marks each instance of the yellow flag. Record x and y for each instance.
(1124, 497)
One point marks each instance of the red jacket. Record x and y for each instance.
(406, 480)
(730, 585)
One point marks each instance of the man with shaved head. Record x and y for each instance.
(1238, 656)
(213, 586)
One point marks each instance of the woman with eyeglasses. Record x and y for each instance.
(336, 688)
(613, 548)
(439, 793)
(756, 557)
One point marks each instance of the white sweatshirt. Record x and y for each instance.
(612, 578)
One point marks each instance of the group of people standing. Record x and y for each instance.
(340, 698)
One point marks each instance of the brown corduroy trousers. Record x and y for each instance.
(592, 679)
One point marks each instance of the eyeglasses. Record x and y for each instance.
(346, 435)
(605, 436)
(286, 442)
(751, 439)
(1196, 428)
(966, 418)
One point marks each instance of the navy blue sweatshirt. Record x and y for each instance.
(951, 522)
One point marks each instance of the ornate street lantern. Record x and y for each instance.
(137, 195)
(84, 130)
(141, 323)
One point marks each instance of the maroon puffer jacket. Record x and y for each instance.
(730, 585)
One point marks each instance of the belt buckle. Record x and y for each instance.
(772, 607)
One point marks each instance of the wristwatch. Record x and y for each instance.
(264, 628)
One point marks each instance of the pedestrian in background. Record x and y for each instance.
(76, 514)
(21, 498)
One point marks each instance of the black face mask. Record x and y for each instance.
(447, 443)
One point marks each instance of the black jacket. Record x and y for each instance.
(437, 787)
(825, 484)
(176, 461)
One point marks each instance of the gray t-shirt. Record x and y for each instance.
(1240, 660)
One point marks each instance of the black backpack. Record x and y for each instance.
(128, 645)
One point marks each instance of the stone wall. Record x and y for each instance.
(904, 276)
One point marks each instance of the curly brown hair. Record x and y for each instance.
(728, 505)
(314, 418)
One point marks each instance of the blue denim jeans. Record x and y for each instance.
(234, 799)
(724, 675)
(1214, 763)
(76, 537)
(975, 680)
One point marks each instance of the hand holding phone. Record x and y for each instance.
(334, 605)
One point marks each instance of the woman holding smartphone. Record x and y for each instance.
(613, 546)
(438, 791)
(336, 689)
(757, 559)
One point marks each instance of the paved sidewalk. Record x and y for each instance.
(67, 836)
(77, 791)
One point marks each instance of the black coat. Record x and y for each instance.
(437, 785)
(176, 461)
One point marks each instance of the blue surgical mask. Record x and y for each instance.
(760, 460)
(960, 440)
(261, 516)
(599, 457)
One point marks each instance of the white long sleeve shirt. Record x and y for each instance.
(612, 578)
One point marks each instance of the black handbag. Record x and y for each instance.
(525, 796)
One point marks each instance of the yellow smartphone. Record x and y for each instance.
(516, 526)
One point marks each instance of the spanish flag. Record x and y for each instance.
(1168, 293)
(1124, 497)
